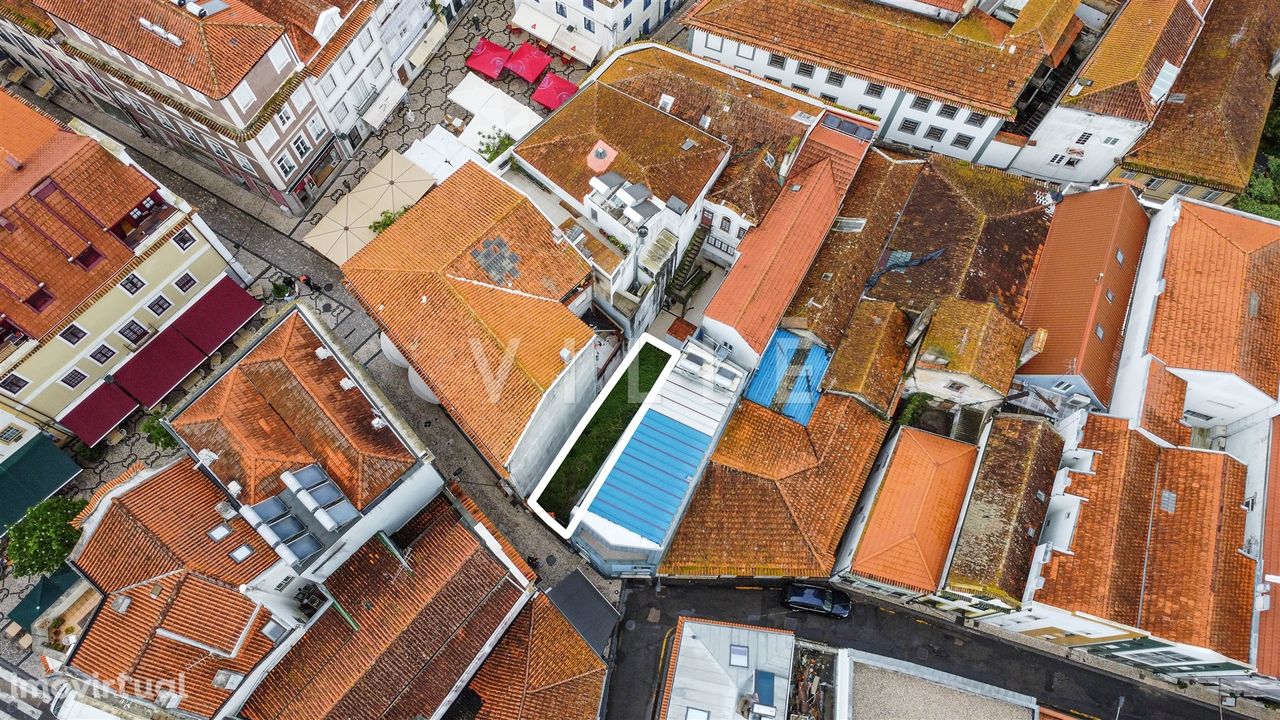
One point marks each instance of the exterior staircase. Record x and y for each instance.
(678, 288)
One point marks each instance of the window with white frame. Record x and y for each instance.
(284, 117)
(1210, 195)
(244, 164)
(132, 284)
(184, 239)
(286, 165)
(315, 126)
(366, 39)
(1183, 189)
(875, 90)
(301, 145)
(746, 52)
(218, 150)
(279, 57)
(909, 126)
(73, 334)
(1063, 386)
(102, 354)
(1128, 174)
(133, 331)
(1111, 141)
(1154, 184)
(1084, 138)
(589, 25)
(192, 135)
(345, 63)
(804, 69)
(268, 136)
(328, 84)
(73, 378)
(159, 305)
(13, 383)
(243, 96)
(185, 282)
(725, 224)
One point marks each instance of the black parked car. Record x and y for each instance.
(816, 598)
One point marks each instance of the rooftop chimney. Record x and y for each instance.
(323, 353)
(347, 383)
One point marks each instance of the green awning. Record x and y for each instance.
(43, 595)
(33, 473)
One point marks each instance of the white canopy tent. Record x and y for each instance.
(393, 184)
(441, 154)
(492, 110)
(343, 231)
(580, 47)
(534, 22)
(387, 100)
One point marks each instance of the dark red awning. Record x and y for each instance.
(210, 321)
(98, 413)
(159, 367)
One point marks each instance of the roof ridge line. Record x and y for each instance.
(786, 501)
(515, 355)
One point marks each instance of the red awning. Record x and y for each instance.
(159, 367)
(528, 62)
(553, 91)
(210, 321)
(488, 58)
(99, 413)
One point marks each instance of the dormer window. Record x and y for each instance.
(39, 300)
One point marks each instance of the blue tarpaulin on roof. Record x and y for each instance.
(789, 376)
(644, 489)
(764, 687)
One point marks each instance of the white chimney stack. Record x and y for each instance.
(347, 383)
(379, 423)
(323, 353)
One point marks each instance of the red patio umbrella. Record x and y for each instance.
(528, 62)
(553, 91)
(488, 58)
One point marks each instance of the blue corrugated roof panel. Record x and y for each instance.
(646, 485)
(769, 386)
(772, 368)
(806, 390)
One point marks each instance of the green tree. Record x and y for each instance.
(40, 542)
(493, 144)
(387, 219)
(158, 433)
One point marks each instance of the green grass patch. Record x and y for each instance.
(602, 433)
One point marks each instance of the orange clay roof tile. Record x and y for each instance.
(1156, 544)
(752, 118)
(1163, 405)
(870, 361)
(826, 300)
(282, 408)
(91, 191)
(27, 15)
(457, 326)
(913, 517)
(1117, 78)
(420, 627)
(799, 494)
(974, 339)
(964, 64)
(150, 544)
(989, 225)
(1212, 137)
(1220, 267)
(1001, 527)
(775, 256)
(212, 55)
(1079, 286)
(648, 142)
(542, 668)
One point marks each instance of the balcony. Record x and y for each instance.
(136, 236)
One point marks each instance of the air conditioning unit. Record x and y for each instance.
(1078, 401)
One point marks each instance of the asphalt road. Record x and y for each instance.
(649, 616)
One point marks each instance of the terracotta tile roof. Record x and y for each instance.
(101, 492)
(1050, 23)
(341, 39)
(184, 612)
(798, 488)
(648, 143)
(1119, 75)
(542, 668)
(963, 64)
(1267, 657)
(213, 54)
(91, 191)
(974, 339)
(413, 631)
(469, 507)
(825, 302)
(282, 408)
(1163, 405)
(27, 15)
(1010, 498)
(775, 256)
(1068, 295)
(1212, 137)
(1178, 575)
(913, 517)
(752, 118)
(869, 363)
(990, 226)
(476, 325)
(1220, 268)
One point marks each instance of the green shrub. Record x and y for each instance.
(387, 219)
(913, 408)
(40, 542)
(158, 433)
(493, 144)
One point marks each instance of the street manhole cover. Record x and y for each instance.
(551, 561)
(327, 307)
(631, 625)
(328, 287)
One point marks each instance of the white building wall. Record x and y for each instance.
(554, 419)
(943, 385)
(892, 106)
(606, 23)
(742, 353)
(1056, 142)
